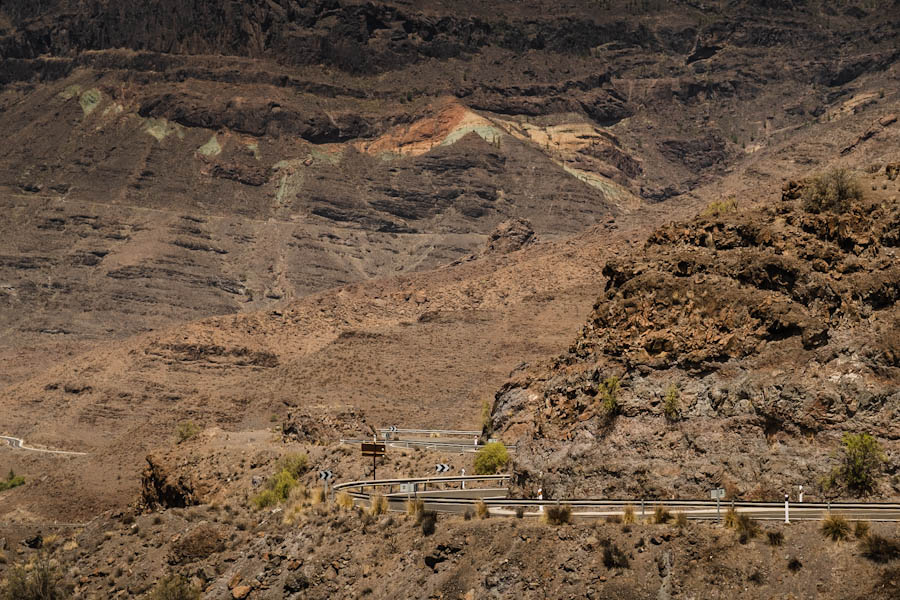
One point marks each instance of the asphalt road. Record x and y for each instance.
(19, 444)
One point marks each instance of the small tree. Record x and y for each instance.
(671, 406)
(491, 459)
(609, 397)
(861, 462)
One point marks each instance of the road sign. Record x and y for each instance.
(373, 449)
(393, 429)
(717, 494)
(325, 475)
(442, 468)
(407, 488)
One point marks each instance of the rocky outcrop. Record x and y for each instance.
(509, 236)
(163, 487)
(303, 426)
(746, 344)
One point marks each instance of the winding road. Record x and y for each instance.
(455, 494)
(448, 496)
(19, 444)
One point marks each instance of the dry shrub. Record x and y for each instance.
(174, 587)
(197, 544)
(661, 515)
(344, 500)
(38, 580)
(861, 529)
(880, 549)
(832, 191)
(414, 508)
(429, 519)
(379, 505)
(613, 518)
(613, 557)
(681, 519)
(520, 512)
(731, 518)
(794, 565)
(776, 538)
(836, 527)
(628, 515)
(558, 515)
(481, 509)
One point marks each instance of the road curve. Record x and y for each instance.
(19, 444)
(448, 496)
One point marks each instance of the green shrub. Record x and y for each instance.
(295, 464)
(832, 191)
(720, 207)
(558, 515)
(185, 431)
(175, 587)
(836, 527)
(282, 484)
(609, 397)
(671, 404)
(880, 549)
(491, 458)
(861, 463)
(12, 480)
(38, 581)
(265, 499)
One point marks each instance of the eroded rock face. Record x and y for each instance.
(778, 328)
(304, 426)
(510, 236)
(163, 487)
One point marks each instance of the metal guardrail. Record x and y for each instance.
(432, 444)
(694, 509)
(437, 432)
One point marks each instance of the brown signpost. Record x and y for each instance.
(373, 449)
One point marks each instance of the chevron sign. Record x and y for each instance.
(441, 468)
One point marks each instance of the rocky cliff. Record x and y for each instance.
(746, 343)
